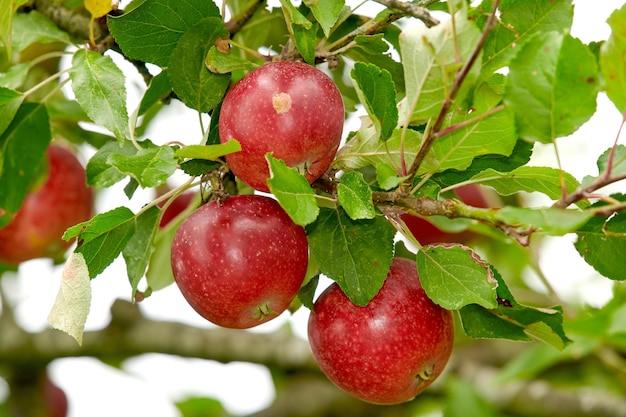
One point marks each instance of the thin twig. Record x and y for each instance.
(418, 11)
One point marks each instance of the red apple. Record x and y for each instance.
(290, 109)
(55, 400)
(388, 351)
(427, 233)
(241, 262)
(61, 201)
(176, 207)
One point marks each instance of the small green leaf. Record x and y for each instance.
(103, 238)
(98, 85)
(307, 292)
(210, 152)
(6, 23)
(159, 274)
(10, 102)
(454, 276)
(293, 15)
(387, 176)
(15, 76)
(100, 173)
(377, 93)
(22, 148)
(617, 165)
(494, 134)
(355, 196)
(158, 89)
(326, 12)
(357, 254)
(612, 62)
(191, 80)
(292, 191)
(545, 180)
(223, 63)
(32, 27)
(97, 8)
(305, 41)
(521, 20)
(150, 166)
(150, 31)
(552, 87)
(372, 43)
(430, 57)
(140, 247)
(602, 245)
(73, 301)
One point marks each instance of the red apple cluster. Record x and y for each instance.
(61, 200)
(241, 261)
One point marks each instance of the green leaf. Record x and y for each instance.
(553, 221)
(158, 89)
(326, 12)
(305, 41)
(32, 27)
(519, 157)
(387, 176)
(613, 59)
(140, 247)
(73, 301)
(191, 80)
(100, 172)
(545, 180)
(292, 191)
(430, 57)
(602, 244)
(514, 321)
(22, 148)
(159, 274)
(617, 165)
(223, 63)
(372, 43)
(376, 92)
(293, 15)
(494, 134)
(151, 31)
(103, 238)
(365, 149)
(454, 276)
(15, 76)
(355, 196)
(150, 166)
(98, 85)
(521, 20)
(552, 87)
(6, 23)
(357, 254)
(210, 152)
(306, 294)
(10, 102)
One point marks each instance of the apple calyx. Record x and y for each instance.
(281, 102)
(264, 311)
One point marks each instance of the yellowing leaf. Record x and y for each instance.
(98, 8)
(71, 307)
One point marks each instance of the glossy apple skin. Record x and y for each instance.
(290, 109)
(376, 352)
(241, 263)
(63, 200)
(427, 233)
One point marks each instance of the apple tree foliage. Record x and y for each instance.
(448, 93)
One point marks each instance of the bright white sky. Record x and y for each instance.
(152, 382)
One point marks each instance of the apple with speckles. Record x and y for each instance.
(290, 109)
(61, 200)
(239, 262)
(388, 351)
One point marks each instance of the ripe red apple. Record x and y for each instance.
(388, 351)
(241, 262)
(290, 109)
(427, 233)
(62, 200)
(176, 207)
(55, 400)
